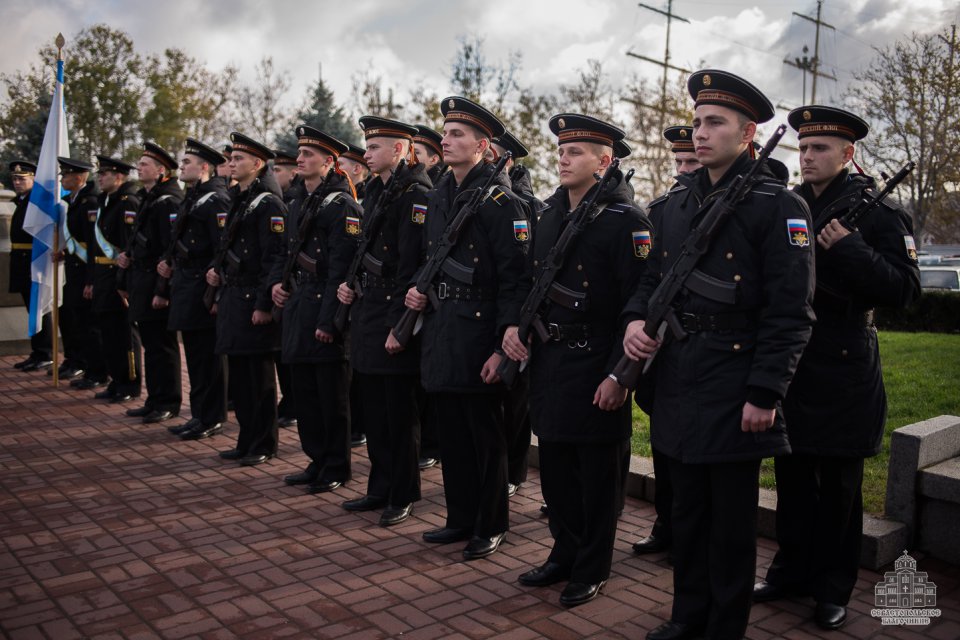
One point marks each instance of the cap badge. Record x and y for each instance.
(451, 103)
(807, 115)
(561, 123)
(683, 133)
(707, 80)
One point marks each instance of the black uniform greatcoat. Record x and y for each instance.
(313, 298)
(521, 185)
(153, 229)
(20, 252)
(702, 382)
(461, 335)
(205, 209)
(81, 215)
(246, 274)
(605, 264)
(836, 404)
(114, 223)
(399, 246)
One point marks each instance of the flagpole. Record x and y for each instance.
(55, 320)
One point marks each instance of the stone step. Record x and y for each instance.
(941, 481)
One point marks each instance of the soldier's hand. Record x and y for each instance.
(392, 345)
(159, 302)
(165, 269)
(415, 300)
(489, 371)
(88, 292)
(609, 396)
(637, 344)
(123, 261)
(512, 346)
(831, 234)
(755, 419)
(345, 294)
(123, 294)
(213, 278)
(323, 336)
(58, 256)
(261, 317)
(278, 295)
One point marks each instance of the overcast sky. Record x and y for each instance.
(414, 41)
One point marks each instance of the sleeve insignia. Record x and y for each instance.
(222, 219)
(129, 216)
(419, 214)
(276, 224)
(173, 218)
(911, 247)
(641, 244)
(521, 230)
(353, 226)
(797, 232)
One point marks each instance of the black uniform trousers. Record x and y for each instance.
(120, 342)
(474, 452)
(41, 346)
(582, 484)
(161, 360)
(253, 384)
(207, 372)
(663, 498)
(429, 430)
(516, 418)
(81, 340)
(715, 544)
(323, 416)
(391, 423)
(356, 409)
(819, 526)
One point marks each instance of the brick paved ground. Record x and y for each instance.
(114, 529)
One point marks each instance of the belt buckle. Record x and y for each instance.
(553, 329)
(363, 279)
(442, 291)
(690, 322)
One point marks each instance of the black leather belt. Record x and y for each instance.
(827, 316)
(699, 322)
(460, 291)
(302, 277)
(192, 263)
(574, 332)
(370, 281)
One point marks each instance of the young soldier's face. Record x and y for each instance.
(242, 166)
(578, 161)
(352, 168)
(686, 162)
(823, 157)
(382, 153)
(462, 144)
(427, 156)
(191, 168)
(109, 181)
(719, 136)
(22, 184)
(284, 174)
(73, 182)
(312, 164)
(149, 169)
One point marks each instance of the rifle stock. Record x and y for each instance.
(661, 315)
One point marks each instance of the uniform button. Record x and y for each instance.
(579, 267)
(729, 255)
(737, 278)
(470, 246)
(664, 254)
(536, 262)
(388, 297)
(384, 247)
(736, 347)
(586, 284)
(843, 353)
(478, 314)
(475, 260)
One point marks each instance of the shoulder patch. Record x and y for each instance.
(797, 232)
(353, 226)
(911, 247)
(498, 195)
(129, 216)
(276, 224)
(641, 243)
(419, 214)
(222, 219)
(173, 217)
(617, 207)
(521, 230)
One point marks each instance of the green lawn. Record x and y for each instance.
(922, 374)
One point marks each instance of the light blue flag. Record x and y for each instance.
(46, 209)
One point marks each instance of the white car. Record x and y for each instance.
(940, 278)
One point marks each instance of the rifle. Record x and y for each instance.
(131, 243)
(530, 316)
(362, 258)
(293, 251)
(163, 285)
(409, 321)
(226, 240)
(850, 219)
(661, 315)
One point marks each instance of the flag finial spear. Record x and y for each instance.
(60, 42)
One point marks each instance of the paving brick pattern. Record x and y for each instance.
(114, 529)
